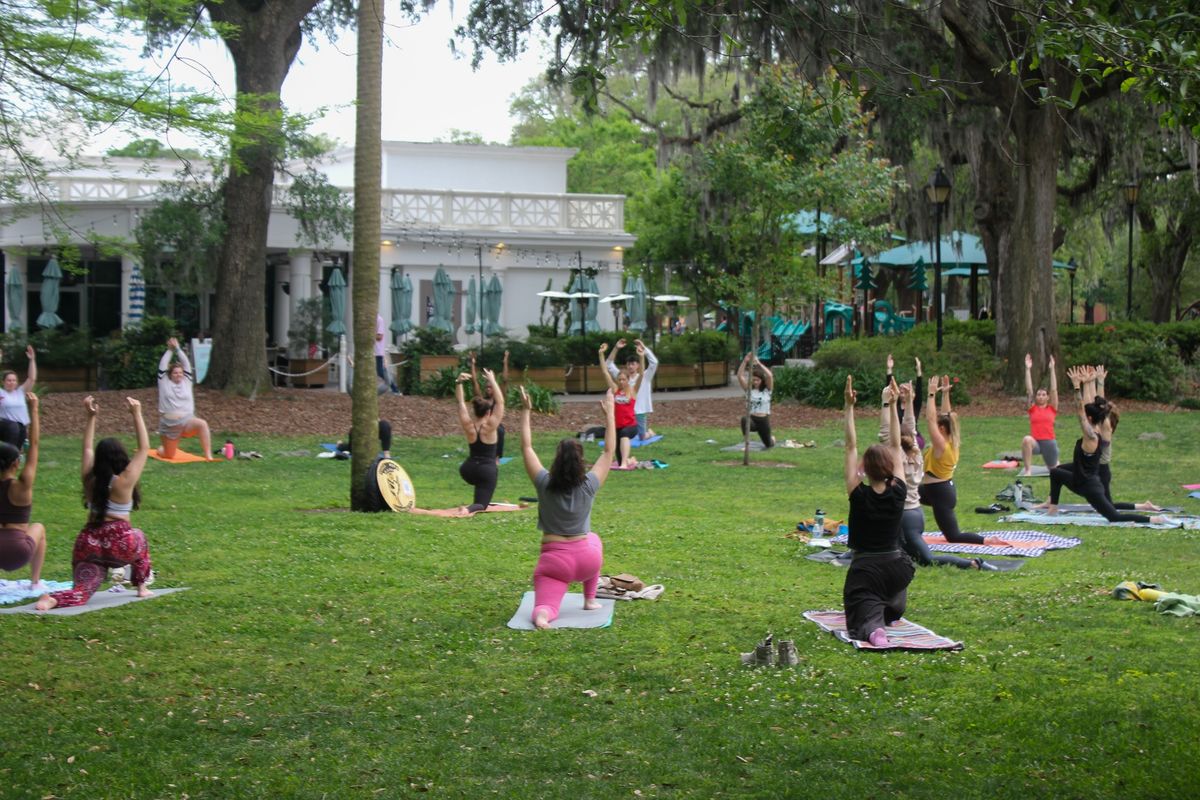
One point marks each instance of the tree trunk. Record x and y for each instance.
(1165, 253)
(368, 166)
(263, 42)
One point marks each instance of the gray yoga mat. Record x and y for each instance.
(841, 558)
(755, 447)
(99, 600)
(570, 614)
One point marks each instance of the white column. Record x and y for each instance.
(283, 308)
(385, 298)
(127, 264)
(301, 280)
(14, 259)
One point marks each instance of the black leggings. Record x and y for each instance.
(876, 591)
(1105, 473)
(942, 497)
(629, 432)
(762, 426)
(385, 438)
(482, 474)
(1090, 488)
(912, 541)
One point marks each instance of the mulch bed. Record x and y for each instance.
(312, 412)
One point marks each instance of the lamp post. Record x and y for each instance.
(938, 192)
(1131, 197)
(1071, 265)
(479, 298)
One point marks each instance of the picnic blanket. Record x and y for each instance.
(98, 601)
(1031, 544)
(841, 558)
(461, 511)
(12, 591)
(902, 634)
(1095, 520)
(180, 457)
(570, 614)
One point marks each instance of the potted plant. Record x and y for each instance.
(305, 339)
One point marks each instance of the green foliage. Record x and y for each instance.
(1140, 368)
(181, 235)
(56, 347)
(961, 356)
(541, 399)
(696, 346)
(322, 211)
(129, 359)
(153, 148)
(441, 383)
(308, 325)
(421, 341)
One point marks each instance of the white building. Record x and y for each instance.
(470, 209)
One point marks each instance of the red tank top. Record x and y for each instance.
(1041, 421)
(623, 411)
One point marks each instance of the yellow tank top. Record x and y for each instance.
(943, 467)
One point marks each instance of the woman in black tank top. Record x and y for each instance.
(480, 425)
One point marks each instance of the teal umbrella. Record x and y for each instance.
(489, 304)
(593, 305)
(637, 306)
(51, 275)
(472, 303)
(402, 292)
(337, 303)
(443, 297)
(15, 295)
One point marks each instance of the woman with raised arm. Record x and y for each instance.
(21, 541)
(486, 392)
(14, 410)
(917, 396)
(912, 523)
(571, 551)
(876, 589)
(110, 487)
(176, 406)
(1082, 475)
(624, 405)
(1042, 410)
(480, 427)
(1093, 391)
(760, 385)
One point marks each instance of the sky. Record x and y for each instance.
(427, 91)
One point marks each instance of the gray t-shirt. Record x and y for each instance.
(569, 513)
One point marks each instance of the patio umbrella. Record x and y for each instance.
(443, 297)
(137, 295)
(593, 305)
(491, 302)
(472, 302)
(15, 295)
(337, 303)
(637, 306)
(51, 275)
(402, 291)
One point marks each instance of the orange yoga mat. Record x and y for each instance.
(180, 457)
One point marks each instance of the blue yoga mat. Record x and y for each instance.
(637, 442)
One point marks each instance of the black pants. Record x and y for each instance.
(500, 441)
(628, 432)
(942, 497)
(482, 474)
(876, 591)
(912, 541)
(1105, 473)
(1090, 488)
(762, 426)
(385, 438)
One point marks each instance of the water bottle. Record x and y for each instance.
(819, 522)
(228, 449)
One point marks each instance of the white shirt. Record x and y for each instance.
(760, 402)
(13, 406)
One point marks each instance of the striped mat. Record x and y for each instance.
(1029, 544)
(902, 635)
(1098, 521)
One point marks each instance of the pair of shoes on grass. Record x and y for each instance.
(766, 654)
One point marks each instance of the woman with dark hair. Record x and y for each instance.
(876, 589)
(760, 385)
(21, 541)
(479, 469)
(110, 486)
(1042, 407)
(13, 407)
(624, 405)
(1082, 475)
(917, 384)
(1093, 391)
(486, 392)
(570, 550)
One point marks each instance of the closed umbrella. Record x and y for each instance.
(493, 299)
(15, 295)
(472, 302)
(137, 295)
(51, 275)
(443, 297)
(593, 305)
(402, 292)
(337, 303)
(637, 306)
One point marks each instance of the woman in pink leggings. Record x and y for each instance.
(570, 550)
(110, 484)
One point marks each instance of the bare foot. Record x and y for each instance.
(45, 603)
(144, 592)
(1051, 510)
(591, 605)
(1159, 519)
(1146, 505)
(997, 541)
(541, 621)
(1026, 474)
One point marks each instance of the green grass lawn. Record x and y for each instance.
(327, 654)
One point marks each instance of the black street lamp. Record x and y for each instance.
(938, 192)
(1131, 197)
(1071, 265)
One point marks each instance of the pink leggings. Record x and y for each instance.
(559, 565)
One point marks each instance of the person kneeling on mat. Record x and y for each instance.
(480, 469)
(385, 441)
(177, 406)
(570, 550)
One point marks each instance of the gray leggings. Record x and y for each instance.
(912, 526)
(1048, 450)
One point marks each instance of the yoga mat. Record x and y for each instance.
(1084, 508)
(637, 442)
(1031, 544)
(1002, 465)
(1190, 486)
(737, 448)
(12, 591)
(902, 634)
(180, 457)
(842, 559)
(461, 511)
(1097, 521)
(570, 614)
(99, 600)
(1195, 495)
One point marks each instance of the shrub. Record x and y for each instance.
(696, 346)
(541, 398)
(825, 387)
(129, 358)
(961, 355)
(1138, 368)
(56, 347)
(440, 384)
(424, 341)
